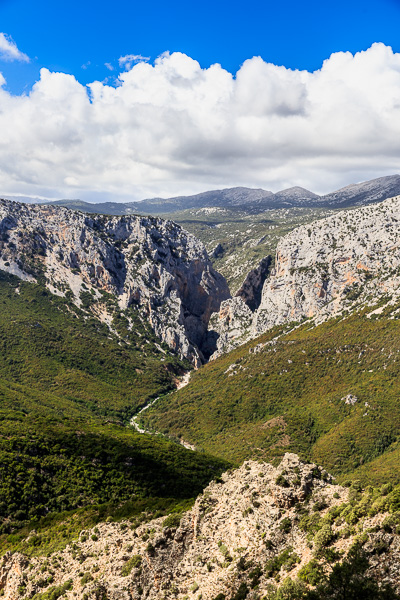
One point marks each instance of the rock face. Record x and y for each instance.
(251, 289)
(231, 325)
(142, 262)
(338, 263)
(255, 527)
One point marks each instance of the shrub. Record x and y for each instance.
(290, 590)
(173, 520)
(285, 525)
(323, 537)
(255, 576)
(273, 566)
(86, 578)
(282, 481)
(241, 593)
(133, 563)
(311, 573)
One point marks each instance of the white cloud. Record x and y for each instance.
(129, 60)
(174, 128)
(9, 50)
(109, 66)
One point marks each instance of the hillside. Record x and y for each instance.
(68, 388)
(329, 393)
(102, 316)
(284, 533)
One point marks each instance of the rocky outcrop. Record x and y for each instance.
(108, 265)
(251, 289)
(231, 326)
(345, 261)
(253, 528)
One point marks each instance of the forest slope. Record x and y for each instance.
(67, 389)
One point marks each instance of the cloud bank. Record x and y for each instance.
(173, 128)
(9, 50)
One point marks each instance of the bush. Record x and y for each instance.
(242, 592)
(285, 525)
(311, 573)
(173, 520)
(281, 481)
(274, 565)
(323, 537)
(290, 590)
(86, 578)
(133, 563)
(55, 592)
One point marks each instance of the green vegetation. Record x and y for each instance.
(133, 563)
(290, 396)
(173, 520)
(67, 390)
(54, 592)
(348, 580)
(57, 530)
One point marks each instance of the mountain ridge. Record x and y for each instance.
(256, 199)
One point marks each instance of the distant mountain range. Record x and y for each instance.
(252, 200)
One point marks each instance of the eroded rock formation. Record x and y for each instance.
(252, 529)
(347, 260)
(145, 262)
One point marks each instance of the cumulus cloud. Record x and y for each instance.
(9, 50)
(173, 127)
(131, 59)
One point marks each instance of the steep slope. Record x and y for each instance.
(246, 224)
(110, 265)
(68, 387)
(243, 237)
(255, 529)
(322, 269)
(328, 392)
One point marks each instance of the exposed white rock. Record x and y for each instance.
(141, 261)
(351, 258)
(352, 400)
(247, 518)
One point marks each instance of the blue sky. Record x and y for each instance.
(70, 34)
(130, 100)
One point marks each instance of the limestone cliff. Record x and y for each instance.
(339, 263)
(133, 261)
